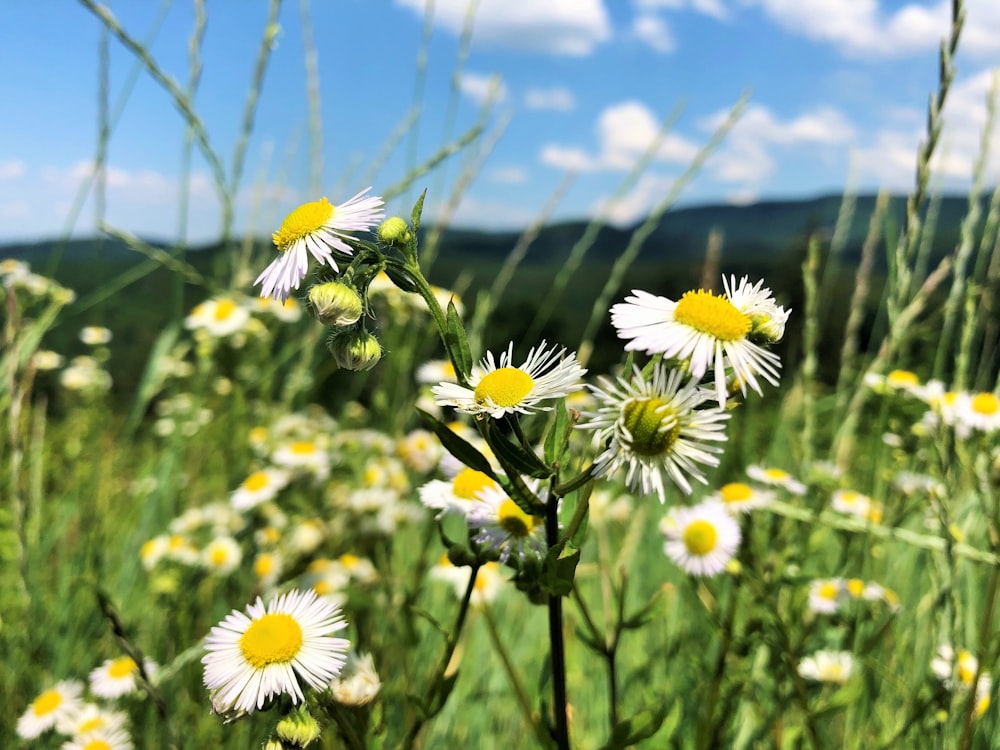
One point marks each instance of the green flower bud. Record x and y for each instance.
(299, 728)
(273, 744)
(357, 350)
(395, 232)
(336, 304)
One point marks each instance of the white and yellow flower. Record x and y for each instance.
(92, 719)
(700, 539)
(655, 430)
(826, 595)
(857, 504)
(95, 335)
(254, 656)
(489, 580)
(102, 739)
(222, 555)
(219, 317)
(318, 228)
(776, 478)
(495, 390)
(260, 487)
(54, 706)
(707, 331)
(359, 683)
(737, 497)
(117, 677)
(503, 527)
(828, 666)
(458, 495)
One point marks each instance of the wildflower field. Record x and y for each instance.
(338, 501)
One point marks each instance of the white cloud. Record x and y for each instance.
(558, 27)
(654, 32)
(859, 28)
(483, 88)
(637, 204)
(625, 132)
(557, 99)
(12, 170)
(712, 8)
(508, 175)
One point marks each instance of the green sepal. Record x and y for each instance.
(418, 209)
(457, 342)
(457, 446)
(558, 572)
(400, 279)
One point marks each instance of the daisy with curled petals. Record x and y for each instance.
(655, 429)
(503, 527)
(498, 390)
(706, 330)
(52, 707)
(316, 229)
(257, 655)
(701, 539)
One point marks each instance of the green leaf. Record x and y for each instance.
(642, 726)
(521, 460)
(457, 342)
(418, 209)
(558, 572)
(457, 446)
(557, 439)
(400, 279)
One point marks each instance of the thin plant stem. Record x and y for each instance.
(557, 651)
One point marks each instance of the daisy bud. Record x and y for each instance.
(299, 728)
(359, 350)
(767, 329)
(336, 304)
(394, 232)
(273, 744)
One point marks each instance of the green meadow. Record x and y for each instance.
(668, 550)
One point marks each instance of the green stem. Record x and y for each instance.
(556, 644)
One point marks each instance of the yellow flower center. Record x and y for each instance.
(828, 590)
(834, 672)
(349, 561)
(97, 744)
(303, 447)
(224, 308)
(711, 314)
(91, 725)
(263, 565)
(855, 587)
(219, 555)
(986, 404)
(273, 639)
(303, 221)
(256, 481)
(506, 386)
(322, 588)
(736, 492)
(982, 705)
(777, 475)
(900, 378)
(469, 482)
(967, 665)
(121, 667)
(148, 549)
(652, 424)
(47, 702)
(700, 537)
(258, 434)
(514, 520)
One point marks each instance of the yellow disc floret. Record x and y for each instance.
(736, 492)
(700, 537)
(47, 702)
(256, 481)
(273, 639)
(985, 403)
(653, 426)
(121, 667)
(468, 483)
(303, 221)
(515, 521)
(506, 386)
(712, 314)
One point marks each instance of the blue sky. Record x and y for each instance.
(838, 98)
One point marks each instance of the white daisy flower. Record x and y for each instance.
(767, 317)
(117, 677)
(826, 595)
(954, 669)
(857, 504)
(102, 739)
(95, 335)
(776, 478)
(707, 330)
(737, 497)
(489, 580)
(305, 455)
(219, 317)
(56, 705)
(359, 683)
(222, 556)
(654, 428)
(91, 719)
(498, 390)
(267, 567)
(983, 688)
(436, 371)
(289, 311)
(420, 450)
(828, 666)
(977, 411)
(45, 359)
(701, 539)
(255, 656)
(502, 526)
(260, 487)
(316, 229)
(457, 496)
